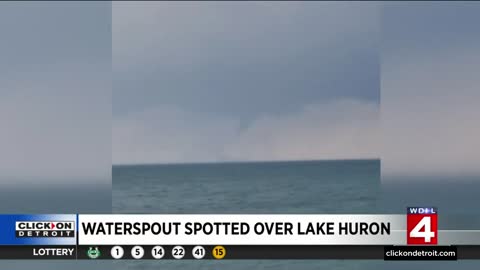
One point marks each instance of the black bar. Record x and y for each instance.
(304, 252)
(239, 252)
(40, 252)
(291, 252)
(468, 252)
(420, 253)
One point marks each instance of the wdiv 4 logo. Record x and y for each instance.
(422, 226)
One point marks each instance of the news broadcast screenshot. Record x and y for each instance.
(239, 135)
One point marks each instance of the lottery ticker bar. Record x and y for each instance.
(238, 252)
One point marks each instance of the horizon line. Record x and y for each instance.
(239, 161)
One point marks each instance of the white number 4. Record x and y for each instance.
(427, 233)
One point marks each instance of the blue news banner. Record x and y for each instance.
(55, 237)
(38, 236)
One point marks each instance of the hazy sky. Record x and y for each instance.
(237, 81)
(431, 89)
(55, 93)
(244, 81)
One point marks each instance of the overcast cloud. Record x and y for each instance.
(55, 94)
(196, 82)
(430, 90)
